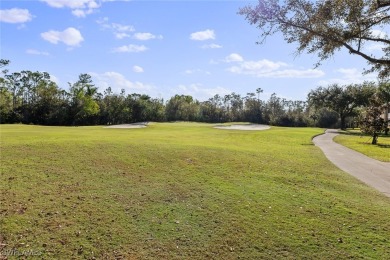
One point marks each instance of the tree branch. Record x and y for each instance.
(341, 42)
(325, 26)
(382, 3)
(365, 56)
(375, 39)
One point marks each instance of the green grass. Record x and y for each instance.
(362, 143)
(183, 191)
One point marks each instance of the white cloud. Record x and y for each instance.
(121, 35)
(376, 47)
(200, 92)
(36, 52)
(146, 36)
(203, 35)
(211, 46)
(70, 36)
(256, 67)
(348, 76)
(138, 69)
(81, 12)
(379, 34)
(122, 28)
(234, 57)
(350, 73)
(294, 73)
(80, 8)
(93, 4)
(120, 31)
(66, 3)
(131, 48)
(118, 81)
(15, 15)
(269, 69)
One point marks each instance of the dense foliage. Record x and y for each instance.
(33, 98)
(344, 100)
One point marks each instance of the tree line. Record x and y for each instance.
(33, 98)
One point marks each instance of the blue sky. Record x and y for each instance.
(162, 48)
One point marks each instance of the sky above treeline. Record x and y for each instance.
(162, 48)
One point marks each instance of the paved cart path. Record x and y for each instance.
(372, 172)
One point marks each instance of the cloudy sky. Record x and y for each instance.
(162, 48)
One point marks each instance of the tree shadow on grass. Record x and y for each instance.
(377, 145)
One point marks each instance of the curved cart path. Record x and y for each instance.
(372, 172)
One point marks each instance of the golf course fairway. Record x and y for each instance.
(182, 191)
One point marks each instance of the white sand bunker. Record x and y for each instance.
(250, 127)
(134, 125)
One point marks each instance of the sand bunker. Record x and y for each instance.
(135, 125)
(251, 127)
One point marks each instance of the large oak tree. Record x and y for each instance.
(344, 100)
(326, 26)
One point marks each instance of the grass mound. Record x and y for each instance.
(182, 190)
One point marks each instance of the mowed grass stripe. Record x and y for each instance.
(183, 190)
